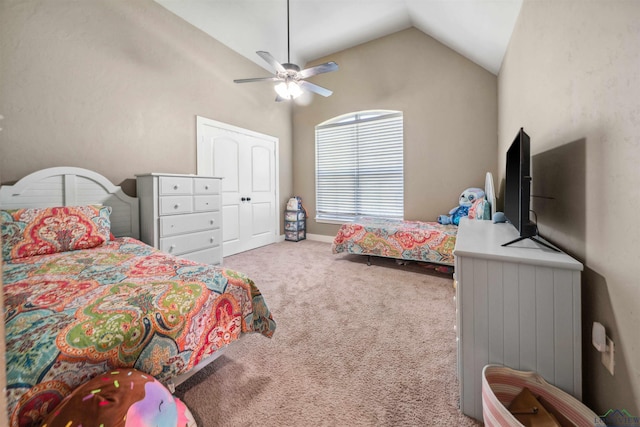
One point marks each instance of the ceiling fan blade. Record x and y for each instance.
(271, 60)
(314, 88)
(257, 79)
(318, 69)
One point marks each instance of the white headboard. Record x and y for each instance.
(490, 192)
(69, 186)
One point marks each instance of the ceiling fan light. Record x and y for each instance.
(294, 90)
(288, 90)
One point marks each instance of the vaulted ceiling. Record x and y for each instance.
(477, 29)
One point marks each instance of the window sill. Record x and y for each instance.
(331, 221)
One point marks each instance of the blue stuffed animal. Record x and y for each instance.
(465, 201)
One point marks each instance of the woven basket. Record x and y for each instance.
(500, 385)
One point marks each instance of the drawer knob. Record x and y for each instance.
(175, 187)
(176, 206)
(213, 221)
(172, 247)
(212, 240)
(206, 187)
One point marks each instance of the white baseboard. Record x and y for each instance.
(314, 237)
(320, 238)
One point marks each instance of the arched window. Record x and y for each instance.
(359, 166)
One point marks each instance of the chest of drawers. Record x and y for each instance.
(180, 215)
(517, 306)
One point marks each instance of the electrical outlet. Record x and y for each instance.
(607, 356)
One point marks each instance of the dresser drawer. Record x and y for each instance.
(175, 185)
(171, 205)
(179, 224)
(206, 186)
(184, 243)
(206, 256)
(206, 203)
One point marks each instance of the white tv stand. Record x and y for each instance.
(518, 306)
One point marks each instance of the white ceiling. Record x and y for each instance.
(478, 29)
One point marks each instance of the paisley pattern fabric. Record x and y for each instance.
(74, 315)
(406, 240)
(28, 232)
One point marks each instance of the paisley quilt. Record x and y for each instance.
(71, 316)
(406, 240)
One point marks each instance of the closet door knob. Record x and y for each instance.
(244, 199)
(248, 199)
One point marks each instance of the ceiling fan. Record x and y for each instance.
(291, 78)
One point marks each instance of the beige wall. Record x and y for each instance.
(571, 78)
(115, 86)
(450, 118)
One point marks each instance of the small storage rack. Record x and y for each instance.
(295, 225)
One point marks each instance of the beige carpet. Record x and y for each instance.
(356, 345)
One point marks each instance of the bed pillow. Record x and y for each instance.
(480, 209)
(475, 211)
(29, 232)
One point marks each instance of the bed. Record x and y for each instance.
(83, 296)
(403, 240)
(428, 242)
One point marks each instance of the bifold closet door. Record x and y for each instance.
(247, 163)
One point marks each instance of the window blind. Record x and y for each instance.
(359, 167)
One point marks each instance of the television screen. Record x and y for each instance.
(517, 191)
(518, 185)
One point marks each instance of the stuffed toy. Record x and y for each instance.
(465, 201)
(122, 398)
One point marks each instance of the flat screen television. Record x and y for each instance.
(517, 193)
